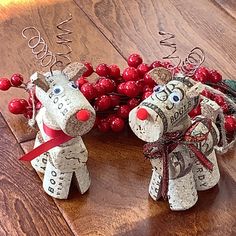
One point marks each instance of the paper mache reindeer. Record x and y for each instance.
(181, 150)
(66, 115)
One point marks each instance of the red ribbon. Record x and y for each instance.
(57, 137)
(162, 148)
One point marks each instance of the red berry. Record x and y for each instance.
(24, 102)
(147, 88)
(140, 84)
(123, 111)
(130, 74)
(121, 88)
(99, 90)
(215, 76)
(115, 100)
(16, 80)
(224, 107)
(107, 84)
(202, 75)
(38, 105)
(28, 114)
(104, 126)
(195, 112)
(111, 117)
(143, 69)
(156, 64)
(230, 124)
(89, 70)
(219, 99)
(103, 103)
(79, 82)
(167, 65)
(146, 95)
(103, 70)
(5, 84)
(207, 93)
(133, 102)
(16, 106)
(114, 71)
(117, 125)
(148, 80)
(131, 89)
(134, 60)
(88, 91)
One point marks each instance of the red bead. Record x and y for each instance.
(88, 91)
(215, 77)
(130, 74)
(195, 112)
(115, 100)
(123, 111)
(134, 60)
(114, 71)
(16, 80)
(15, 106)
(103, 103)
(103, 70)
(156, 64)
(202, 75)
(142, 114)
(143, 69)
(83, 115)
(99, 90)
(79, 82)
(133, 102)
(107, 84)
(131, 89)
(5, 84)
(104, 126)
(207, 93)
(89, 70)
(121, 88)
(117, 125)
(230, 124)
(219, 99)
(148, 80)
(146, 95)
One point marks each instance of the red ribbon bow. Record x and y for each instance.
(58, 137)
(162, 148)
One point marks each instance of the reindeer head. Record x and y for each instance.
(166, 108)
(63, 101)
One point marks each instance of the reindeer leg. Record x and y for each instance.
(56, 183)
(40, 162)
(155, 185)
(83, 180)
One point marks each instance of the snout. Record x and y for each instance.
(146, 124)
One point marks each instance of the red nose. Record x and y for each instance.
(142, 114)
(83, 115)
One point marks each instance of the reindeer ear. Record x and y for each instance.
(38, 79)
(74, 70)
(160, 75)
(195, 90)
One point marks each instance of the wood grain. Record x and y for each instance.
(88, 44)
(227, 5)
(24, 208)
(133, 26)
(118, 202)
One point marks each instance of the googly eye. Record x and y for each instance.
(72, 85)
(175, 97)
(57, 89)
(158, 88)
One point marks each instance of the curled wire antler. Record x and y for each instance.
(39, 47)
(167, 42)
(64, 41)
(193, 61)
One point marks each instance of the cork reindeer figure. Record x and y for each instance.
(66, 115)
(181, 150)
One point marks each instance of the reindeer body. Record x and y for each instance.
(63, 105)
(166, 112)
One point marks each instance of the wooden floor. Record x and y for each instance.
(117, 202)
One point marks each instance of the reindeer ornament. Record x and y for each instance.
(181, 150)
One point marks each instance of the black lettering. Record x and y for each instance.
(201, 177)
(54, 173)
(52, 181)
(50, 189)
(55, 100)
(60, 105)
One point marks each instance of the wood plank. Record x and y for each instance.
(118, 203)
(88, 45)
(228, 5)
(132, 26)
(24, 208)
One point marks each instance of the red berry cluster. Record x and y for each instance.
(114, 94)
(20, 106)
